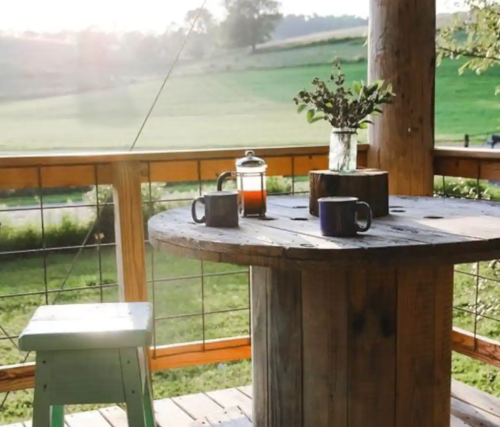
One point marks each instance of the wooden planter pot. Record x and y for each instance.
(368, 185)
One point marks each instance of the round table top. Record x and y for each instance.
(419, 230)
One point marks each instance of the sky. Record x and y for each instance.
(147, 15)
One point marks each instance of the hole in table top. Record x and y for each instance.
(395, 207)
(299, 219)
(307, 245)
(267, 218)
(397, 211)
(299, 207)
(398, 228)
(191, 223)
(433, 217)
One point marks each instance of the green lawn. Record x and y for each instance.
(227, 109)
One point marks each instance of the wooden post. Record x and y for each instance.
(402, 52)
(129, 230)
(466, 141)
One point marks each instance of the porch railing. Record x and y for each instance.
(139, 274)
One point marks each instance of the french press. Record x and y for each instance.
(251, 184)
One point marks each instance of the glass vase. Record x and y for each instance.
(343, 150)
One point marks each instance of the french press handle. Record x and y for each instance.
(223, 177)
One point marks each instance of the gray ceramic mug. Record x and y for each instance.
(221, 209)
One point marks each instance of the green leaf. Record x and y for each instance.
(363, 126)
(317, 118)
(329, 105)
(301, 108)
(357, 87)
(310, 115)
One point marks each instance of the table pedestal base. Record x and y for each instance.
(352, 348)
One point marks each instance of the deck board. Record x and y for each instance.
(169, 414)
(86, 419)
(232, 417)
(233, 408)
(197, 405)
(232, 398)
(115, 416)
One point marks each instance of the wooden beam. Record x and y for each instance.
(60, 171)
(402, 52)
(17, 377)
(194, 354)
(21, 377)
(129, 231)
(476, 347)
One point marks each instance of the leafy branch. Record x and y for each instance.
(474, 36)
(343, 108)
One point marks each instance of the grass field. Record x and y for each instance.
(227, 109)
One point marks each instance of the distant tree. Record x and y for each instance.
(474, 36)
(250, 22)
(202, 22)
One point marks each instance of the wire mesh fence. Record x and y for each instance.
(477, 285)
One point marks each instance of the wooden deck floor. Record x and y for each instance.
(233, 408)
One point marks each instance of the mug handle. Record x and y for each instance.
(369, 217)
(193, 210)
(222, 178)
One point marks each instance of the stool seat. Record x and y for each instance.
(88, 326)
(91, 354)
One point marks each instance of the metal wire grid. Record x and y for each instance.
(39, 271)
(476, 292)
(215, 283)
(220, 294)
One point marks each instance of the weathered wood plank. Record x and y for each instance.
(419, 341)
(443, 324)
(285, 349)
(325, 347)
(169, 414)
(372, 325)
(247, 390)
(477, 398)
(419, 230)
(130, 249)
(472, 416)
(231, 417)
(115, 416)
(231, 398)
(260, 288)
(481, 348)
(197, 405)
(86, 419)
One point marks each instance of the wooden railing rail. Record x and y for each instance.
(467, 163)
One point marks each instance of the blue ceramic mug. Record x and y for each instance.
(339, 216)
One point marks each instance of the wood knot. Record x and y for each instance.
(358, 323)
(387, 326)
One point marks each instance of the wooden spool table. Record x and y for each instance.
(348, 332)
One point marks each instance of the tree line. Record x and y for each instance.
(247, 23)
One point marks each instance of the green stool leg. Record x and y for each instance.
(41, 403)
(132, 385)
(148, 404)
(57, 416)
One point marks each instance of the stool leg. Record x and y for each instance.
(148, 402)
(132, 385)
(57, 416)
(41, 402)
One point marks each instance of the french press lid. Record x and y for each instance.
(250, 160)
